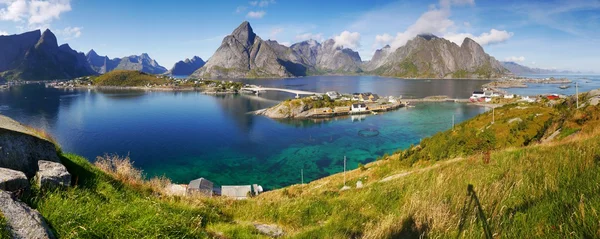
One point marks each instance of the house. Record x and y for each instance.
(236, 192)
(359, 108)
(200, 186)
(509, 96)
(553, 97)
(333, 94)
(355, 96)
(392, 100)
(373, 97)
(478, 94)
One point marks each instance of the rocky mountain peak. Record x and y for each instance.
(244, 33)
(427, 36)
(47, 39)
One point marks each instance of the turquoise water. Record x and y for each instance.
(186, 135)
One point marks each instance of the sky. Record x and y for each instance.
(545, 34)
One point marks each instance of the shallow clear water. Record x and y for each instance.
(186, 135)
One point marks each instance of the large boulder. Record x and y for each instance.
(23, 221)
(21, 147)
(12, 180)
(52, 175)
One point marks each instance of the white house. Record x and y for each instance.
(478, 94)
(359, 107)
(509, 96)
(333, 94)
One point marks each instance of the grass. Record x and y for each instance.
(102, 206)
(4, 233)
(478, 179)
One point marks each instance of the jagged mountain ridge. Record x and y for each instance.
(244, 54)
(187, 66)
(428, 56)
(143, 63)
(37, 56)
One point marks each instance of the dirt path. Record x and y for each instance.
(404, 174)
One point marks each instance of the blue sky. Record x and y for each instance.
(545, 34)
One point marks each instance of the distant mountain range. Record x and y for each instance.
(187, 66)
(518, 69)
(244, 54)
(37, 56)
(143, 63)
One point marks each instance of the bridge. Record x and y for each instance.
(297, 92)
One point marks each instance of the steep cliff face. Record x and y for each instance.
(35, 56)
(101, 64)
(243, 54)
(379, 58)
(327, 57)
(187, 66)
(433, 57)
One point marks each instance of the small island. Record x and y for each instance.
(331, 104)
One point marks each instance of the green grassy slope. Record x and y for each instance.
(475, 180)
(4, 233)
(127, 78)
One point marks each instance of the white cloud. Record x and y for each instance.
(3, 33)
(257, 14)
(70, 32)
(348, 39)
(253, 3)
(265, 3)
(240, 9)
(437, 21)
(286, 43)
(36, 12)
(515, 59)
(309, 36)
(486, 38)
(275, 31)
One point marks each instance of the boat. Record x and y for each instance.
(564, 86)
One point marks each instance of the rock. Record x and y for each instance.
(344, 188)
(52, 175)
(269, 230)
(359, 184)
(23, 221)
(12, 180)
(518, 120)
(176, 189)
(595, 101)
(21, 148)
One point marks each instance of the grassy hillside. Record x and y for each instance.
(4, 233)
(128, 78)
(479, 179)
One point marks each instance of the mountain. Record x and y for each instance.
(143, 63)
(187, 67)
(379, 58)
(518, 69)
(37, 56)
(428, 56)
(328, 57)
(244, 54)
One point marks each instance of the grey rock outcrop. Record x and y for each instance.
(433, 57)
(287, 110)
(12, 180)
(187, 66)
(23, 221)
(21, 148)
(379, 58)
(143, 63)
(37, 56)
(52, 175)
(269, 230)
(243, 54)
